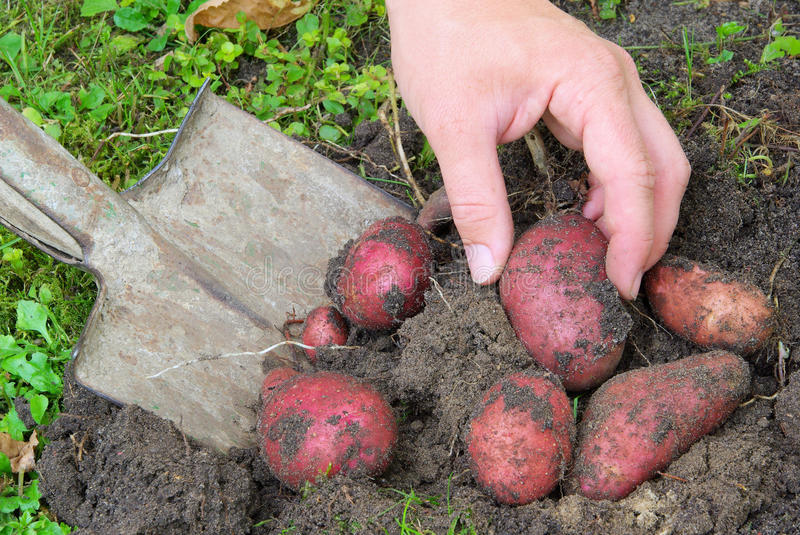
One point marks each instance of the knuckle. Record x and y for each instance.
(473, 213)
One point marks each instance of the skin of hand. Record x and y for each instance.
(475, 74)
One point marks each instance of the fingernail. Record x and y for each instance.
(482, 266)
(635, 286)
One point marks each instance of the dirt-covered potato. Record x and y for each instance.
(274, 379)
(323, 326)
(562, 306)
(384, 275)
(519, 441)
(708, 306)
(324, 423)
(639, 421)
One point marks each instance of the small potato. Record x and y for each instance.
(323, 326)
(562, 306)
(519, 442)
(708, 306)
(323, 423)
(639, 421)
(383, 276)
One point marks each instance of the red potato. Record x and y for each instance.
(324, 326)
(436, 211)
(520, 440)
(562, 306)
(384, 275)
(274, 379)
(708, 306)
(639, 421)
(324, 423)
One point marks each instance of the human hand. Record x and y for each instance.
(475, 74)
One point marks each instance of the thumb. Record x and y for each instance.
(477, 194)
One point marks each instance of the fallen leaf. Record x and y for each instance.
(19, 452)
(265, 13)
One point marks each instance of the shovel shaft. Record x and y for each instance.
(50, 197)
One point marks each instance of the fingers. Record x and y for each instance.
(617, 156)
(477, 193)
(638, 174)
(671, 169)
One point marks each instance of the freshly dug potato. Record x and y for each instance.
(436, 211)
(274, 379)
(384, 275)
(324, 326)
(708, 306)
(520, 439)
(324, 423)
(562, 306)
(637, 422)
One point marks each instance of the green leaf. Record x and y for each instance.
(725, 55)
(10, 45)
(100, 113)
(45, 294)
(789, 44)
(332, 107)
(130, 19)
(33, 115)
(157, 44)
(728, 28)
(35, 370)
(53, 130)
(92, 98)
(124, 43)
(5, 464)
(91, 8)
(329, 133)
(173, 6)
(356, 15)
(32, 316)
(8, 91)
(39, 405)
(12, 425)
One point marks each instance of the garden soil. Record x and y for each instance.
(124, 471)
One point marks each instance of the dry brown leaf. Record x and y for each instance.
(19, 452)
(265, 13)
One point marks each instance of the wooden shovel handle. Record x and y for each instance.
(52, 199)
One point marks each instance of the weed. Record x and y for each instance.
(607, 9)
(780, 44)
(724, 33)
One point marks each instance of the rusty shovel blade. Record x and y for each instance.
(202, 259)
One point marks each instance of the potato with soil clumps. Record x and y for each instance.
(562, 306)
(324, 326)
(383, 276)
(638, 422)
(324, 423)
(520, 439)
(708, 306)
(275, 378)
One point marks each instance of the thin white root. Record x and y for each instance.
(243, 354)
(149, 134)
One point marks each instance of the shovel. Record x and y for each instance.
(197, 265)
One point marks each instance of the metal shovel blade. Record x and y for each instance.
(202, 259)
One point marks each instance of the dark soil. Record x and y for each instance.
(124, 471)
